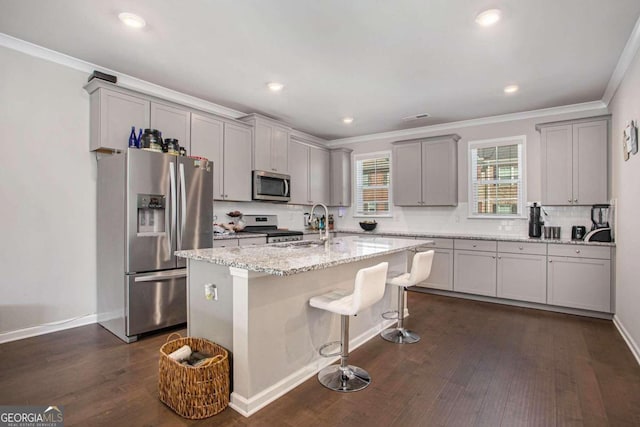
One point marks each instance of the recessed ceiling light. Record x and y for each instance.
(347, 120)
(132, 20)
(511, 89)
(488, 17)
(275, 86)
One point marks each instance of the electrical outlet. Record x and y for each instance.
(210, 292)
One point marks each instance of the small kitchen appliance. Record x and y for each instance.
(600, 228)
(268, 224)
(535, 221)
(578, 232)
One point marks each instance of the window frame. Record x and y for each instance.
(366, 156)
(497, 142)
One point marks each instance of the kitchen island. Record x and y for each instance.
(259, 310)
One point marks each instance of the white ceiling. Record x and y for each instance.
(378, 61)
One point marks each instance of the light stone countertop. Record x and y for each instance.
(467, 236)
(284, 259)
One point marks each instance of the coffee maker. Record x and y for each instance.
(535, 221)
(600, 228)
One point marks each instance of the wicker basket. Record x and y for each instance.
(194, 392)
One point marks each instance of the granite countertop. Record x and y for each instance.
(237, 236)
(284, 259)
(468, 236)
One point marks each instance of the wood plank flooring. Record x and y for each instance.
(477, 364)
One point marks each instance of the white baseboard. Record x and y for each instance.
(47, 328)
(249, 406)
(627, 337)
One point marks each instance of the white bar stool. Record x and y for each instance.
(368, 289)
(420, 271)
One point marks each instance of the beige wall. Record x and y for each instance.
(625, 106)
(47, 187)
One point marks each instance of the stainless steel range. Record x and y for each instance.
(268, 224)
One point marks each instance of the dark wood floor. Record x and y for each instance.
(477, 364)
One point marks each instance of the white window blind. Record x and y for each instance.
(496, 175)
(373, 184)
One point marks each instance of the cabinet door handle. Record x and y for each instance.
(475, 246)
(520, 247)
(577, 251)
(550, 261)
(569, 200)
(575, 200)
(493, 256)
(499, 257)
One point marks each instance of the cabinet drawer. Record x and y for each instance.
(522, 248)
(476, 245)
(225, 243)
(437, 242)
(580, 251)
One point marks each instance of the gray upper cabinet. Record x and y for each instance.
(574, 161)
(425, 171)
(237, 162)
(340, 177)
(309, 170)
(173, 122)
(270, 144)
(228, 145)
(112, 115)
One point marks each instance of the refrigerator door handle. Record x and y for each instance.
(172, 186)
(183, 205)
(177, 274)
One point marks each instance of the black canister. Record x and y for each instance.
(535, 221)
(151, 140)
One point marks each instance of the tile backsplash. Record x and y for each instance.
(437, 219)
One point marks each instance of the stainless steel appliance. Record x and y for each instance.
(268, 224)
(149, 205)
(600, 229)
(535, 221)
(271, 186)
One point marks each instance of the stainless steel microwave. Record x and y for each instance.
(271, 186)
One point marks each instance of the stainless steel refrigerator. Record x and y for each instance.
(149, 205)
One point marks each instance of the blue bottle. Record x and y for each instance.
(132, 138)
(139, 139)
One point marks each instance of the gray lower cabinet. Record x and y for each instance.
(112, 115)
(441, 276)
(425, 171)
(228, 146)
(579, 277)
(475, 272)
(522, 271)
(173, 122)
(340, 177)
(574, 161)
(309, 170)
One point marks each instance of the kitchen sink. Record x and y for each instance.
(300, 244)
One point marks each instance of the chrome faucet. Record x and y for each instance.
(324, 238)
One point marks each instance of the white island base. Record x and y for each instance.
(272, 333)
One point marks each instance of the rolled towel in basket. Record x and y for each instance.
(181, 354)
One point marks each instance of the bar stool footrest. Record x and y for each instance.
(323, 347)
(390, 315)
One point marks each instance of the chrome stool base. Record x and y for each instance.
(347, 379)
(400, 336)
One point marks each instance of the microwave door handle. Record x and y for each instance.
(183, 206)
(286, 187)
(172, 187)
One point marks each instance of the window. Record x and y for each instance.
(373, 184)
(496, 177)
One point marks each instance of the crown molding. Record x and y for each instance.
(124, 80)
(625, 60)
(420, 131)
